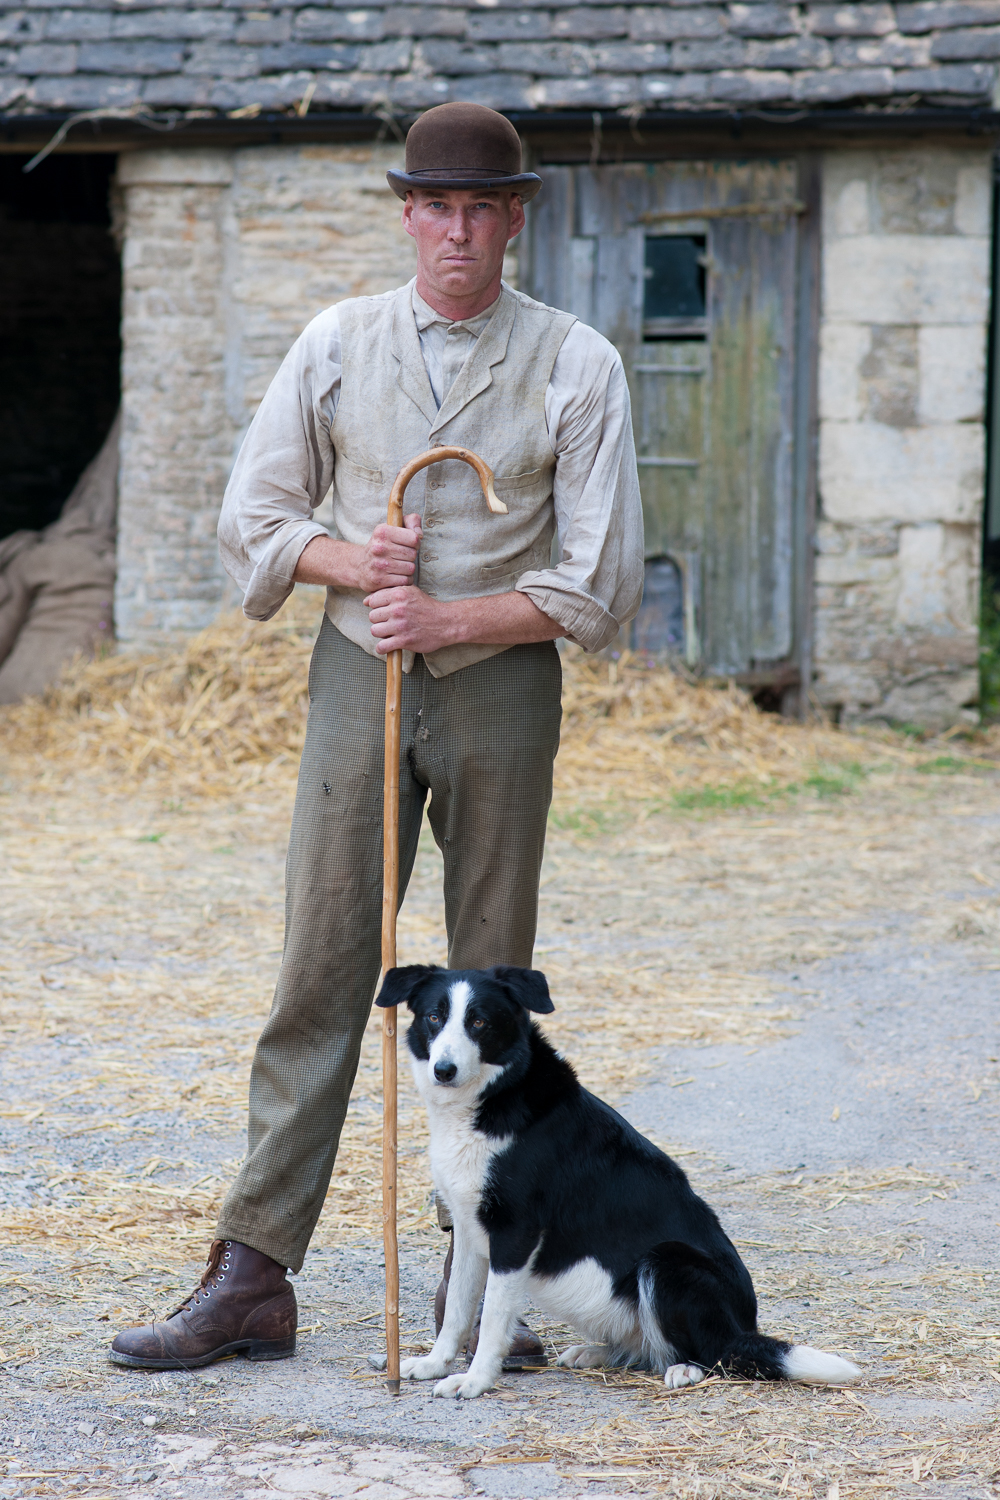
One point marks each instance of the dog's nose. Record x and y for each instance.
(444, 1072)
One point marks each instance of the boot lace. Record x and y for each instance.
(214, 1274)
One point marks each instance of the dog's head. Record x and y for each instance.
(469, 1024)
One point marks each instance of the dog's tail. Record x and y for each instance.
(754, 1356)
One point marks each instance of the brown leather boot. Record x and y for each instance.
(527, 1349)
(243, 1305)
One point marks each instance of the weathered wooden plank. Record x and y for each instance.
(714, 417)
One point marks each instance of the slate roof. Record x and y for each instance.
(226, 56)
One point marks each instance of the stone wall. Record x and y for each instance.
(226, 257)
(906, 256)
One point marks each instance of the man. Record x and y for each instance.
(455, 357)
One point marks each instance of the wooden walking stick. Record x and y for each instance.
(390, 902)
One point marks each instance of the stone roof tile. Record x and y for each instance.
(243, 56)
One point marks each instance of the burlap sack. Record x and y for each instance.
(57, 585)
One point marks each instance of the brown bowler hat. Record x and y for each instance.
(464, 146)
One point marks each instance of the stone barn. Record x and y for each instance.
(782, 215)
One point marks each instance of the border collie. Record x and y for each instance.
(556, 1200)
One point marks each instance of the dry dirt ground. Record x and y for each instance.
(797, 997)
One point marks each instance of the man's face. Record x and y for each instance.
(461, 236)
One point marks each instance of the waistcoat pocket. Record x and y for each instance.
(346, 468)
(533, 557)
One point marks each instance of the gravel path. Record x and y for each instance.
(847, 1135)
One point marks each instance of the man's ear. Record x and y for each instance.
(400, 986)
(528, 987)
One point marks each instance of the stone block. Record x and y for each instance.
(936, 701)
(13, 89)
(888, 376)
(332, 57)
(966, 45)
(222, 60)
(974, 199)
(631, 57)
(851, 209)
(869, 472)
(938, 578)
(323, 25)
(882, 52)
(174, 25)
(263, 28)
(92, 91)
(178, 91)
(789, 52)
(834, 85)
(725, 52)
(851, 568)
(588, 23)
(660, 23)
(457, 57)
(416, 91)
(851, 20)
(674, 86)
(136, 59)
(509, 26)
(952, 373)
(544, 59)
(751, 88)
(171, 166)
(47, 57)
(496, 91)
(424, 20)
(973, 81)
(929, 15)
(353, 90)
(830, 539)
(588, 93)
(392, 56)
(78, 26)
(276, 91)
(24, 26)
(906, 278)
(843, 349)
(761, 19)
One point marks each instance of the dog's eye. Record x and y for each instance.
(477, 1025)
(433, 1020)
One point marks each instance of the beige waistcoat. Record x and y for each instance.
(386, 415)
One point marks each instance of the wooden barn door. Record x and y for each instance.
(689, 268)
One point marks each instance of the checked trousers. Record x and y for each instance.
(481, 743)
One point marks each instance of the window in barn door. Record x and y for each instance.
(674, 291)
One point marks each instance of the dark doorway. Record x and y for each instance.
(60, 314)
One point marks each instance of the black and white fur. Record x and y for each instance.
(557, 1201)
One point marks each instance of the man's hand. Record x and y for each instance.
(407, 619)
(387, 560)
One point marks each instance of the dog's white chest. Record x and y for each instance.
(460, 1159)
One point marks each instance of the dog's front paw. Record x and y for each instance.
(584, 1357)
(464, 1387)
(679, 1376)
(427, 1367)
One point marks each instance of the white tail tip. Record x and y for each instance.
(813, 1367)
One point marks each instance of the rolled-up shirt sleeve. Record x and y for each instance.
(596, 587)
(283, 471)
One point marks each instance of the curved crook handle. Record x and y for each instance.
(434, 456)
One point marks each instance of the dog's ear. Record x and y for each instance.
(401, 986)
(528, 987)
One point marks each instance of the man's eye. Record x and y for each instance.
(477, 1025)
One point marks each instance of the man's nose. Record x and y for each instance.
(444, 1071)
(457, 229)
